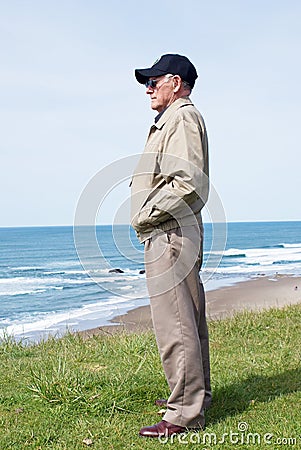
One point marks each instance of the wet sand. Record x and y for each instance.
(256, 294)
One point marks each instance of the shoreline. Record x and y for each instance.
(253, 295)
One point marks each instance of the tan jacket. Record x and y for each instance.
(170, 184)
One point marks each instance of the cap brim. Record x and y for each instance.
(142, 75)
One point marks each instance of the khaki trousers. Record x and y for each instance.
(172, 262)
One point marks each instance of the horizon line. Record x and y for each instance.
(128, 224)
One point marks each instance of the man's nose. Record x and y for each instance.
(149, 90)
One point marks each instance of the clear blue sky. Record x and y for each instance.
(70, 104)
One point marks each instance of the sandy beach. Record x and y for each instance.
(256, 294)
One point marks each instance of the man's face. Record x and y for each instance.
(162, 95)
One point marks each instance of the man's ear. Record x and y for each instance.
(176, 83)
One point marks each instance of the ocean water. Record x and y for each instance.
(45, 289)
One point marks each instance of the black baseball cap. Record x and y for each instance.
(170, 63)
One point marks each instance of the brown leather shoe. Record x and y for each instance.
(161, 402)
(161, 429)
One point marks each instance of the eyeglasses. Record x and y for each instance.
(153, 83)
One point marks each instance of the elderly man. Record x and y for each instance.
(169, 188)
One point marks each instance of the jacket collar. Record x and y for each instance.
(183, 101)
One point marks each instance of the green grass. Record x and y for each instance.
(58, 393)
